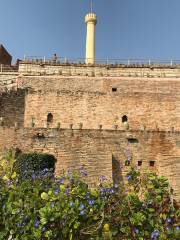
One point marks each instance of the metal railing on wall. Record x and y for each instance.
(127, 62)
(7, 68)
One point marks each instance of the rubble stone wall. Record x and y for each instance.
(102, 152)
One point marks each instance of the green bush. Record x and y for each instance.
(33, 164)
(65, 208)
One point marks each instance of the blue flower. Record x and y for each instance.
(103, 178)
(81, 207)
(136, 230)
(167, 228)
(83, 172)
(43, 229)
(101, 190)
(155, 234)
(91, 202)
(112, 191)
(129, 177)
(108, 190)
(33, 176)
(168, 220)
(8, 183)
(56, 191)
(36, 223)
(52, 205)
(81, 213)
(67, 191)
(178, 228)
(60, 180)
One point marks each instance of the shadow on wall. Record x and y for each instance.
(116, 171)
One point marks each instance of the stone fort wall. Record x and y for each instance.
(12, 107)
(139, 70)
(102, 152)
(87, 105)
(91, 102)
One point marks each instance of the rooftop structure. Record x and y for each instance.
(5, 57)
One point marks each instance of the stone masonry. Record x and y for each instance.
(106, 118)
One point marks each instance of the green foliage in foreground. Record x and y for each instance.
(28, 163)
(64, 208)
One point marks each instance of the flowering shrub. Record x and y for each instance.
(33, 164)
(65, 208)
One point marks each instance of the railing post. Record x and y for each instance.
(107, 61)
(1, 67)
(171, 62)
(44, 59)
(149, 61)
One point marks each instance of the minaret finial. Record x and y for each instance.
(91, 6)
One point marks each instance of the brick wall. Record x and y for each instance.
(152, 107)
(12, 105)
(100, 151)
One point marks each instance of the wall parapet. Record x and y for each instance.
(99, 70)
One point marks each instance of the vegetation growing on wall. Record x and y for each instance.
(65, 208)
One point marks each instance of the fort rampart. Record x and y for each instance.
(105, 118)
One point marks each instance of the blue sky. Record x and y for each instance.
(135, 29)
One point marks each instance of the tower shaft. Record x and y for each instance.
(91, 21)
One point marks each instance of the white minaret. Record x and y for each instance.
(90, 20)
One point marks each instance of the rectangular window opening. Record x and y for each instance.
(139, 163)
(133, 140)
(114, 89)
(152, 163)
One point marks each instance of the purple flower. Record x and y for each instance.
(43, 229)
(167, 228)
(103, 178)
(91, 202)
(112, 191)
(81, 213)
(81, 207)
(178, 228)
(129, 177)
(155, 234)
(136, 230)
(56, 191)
(83, 172)
(108, 190)
(8, 183)
(33, 176)
(67, 191)
(168, 220)
(36, 223)
(52, 205)
(60, 180)
(101, 190)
